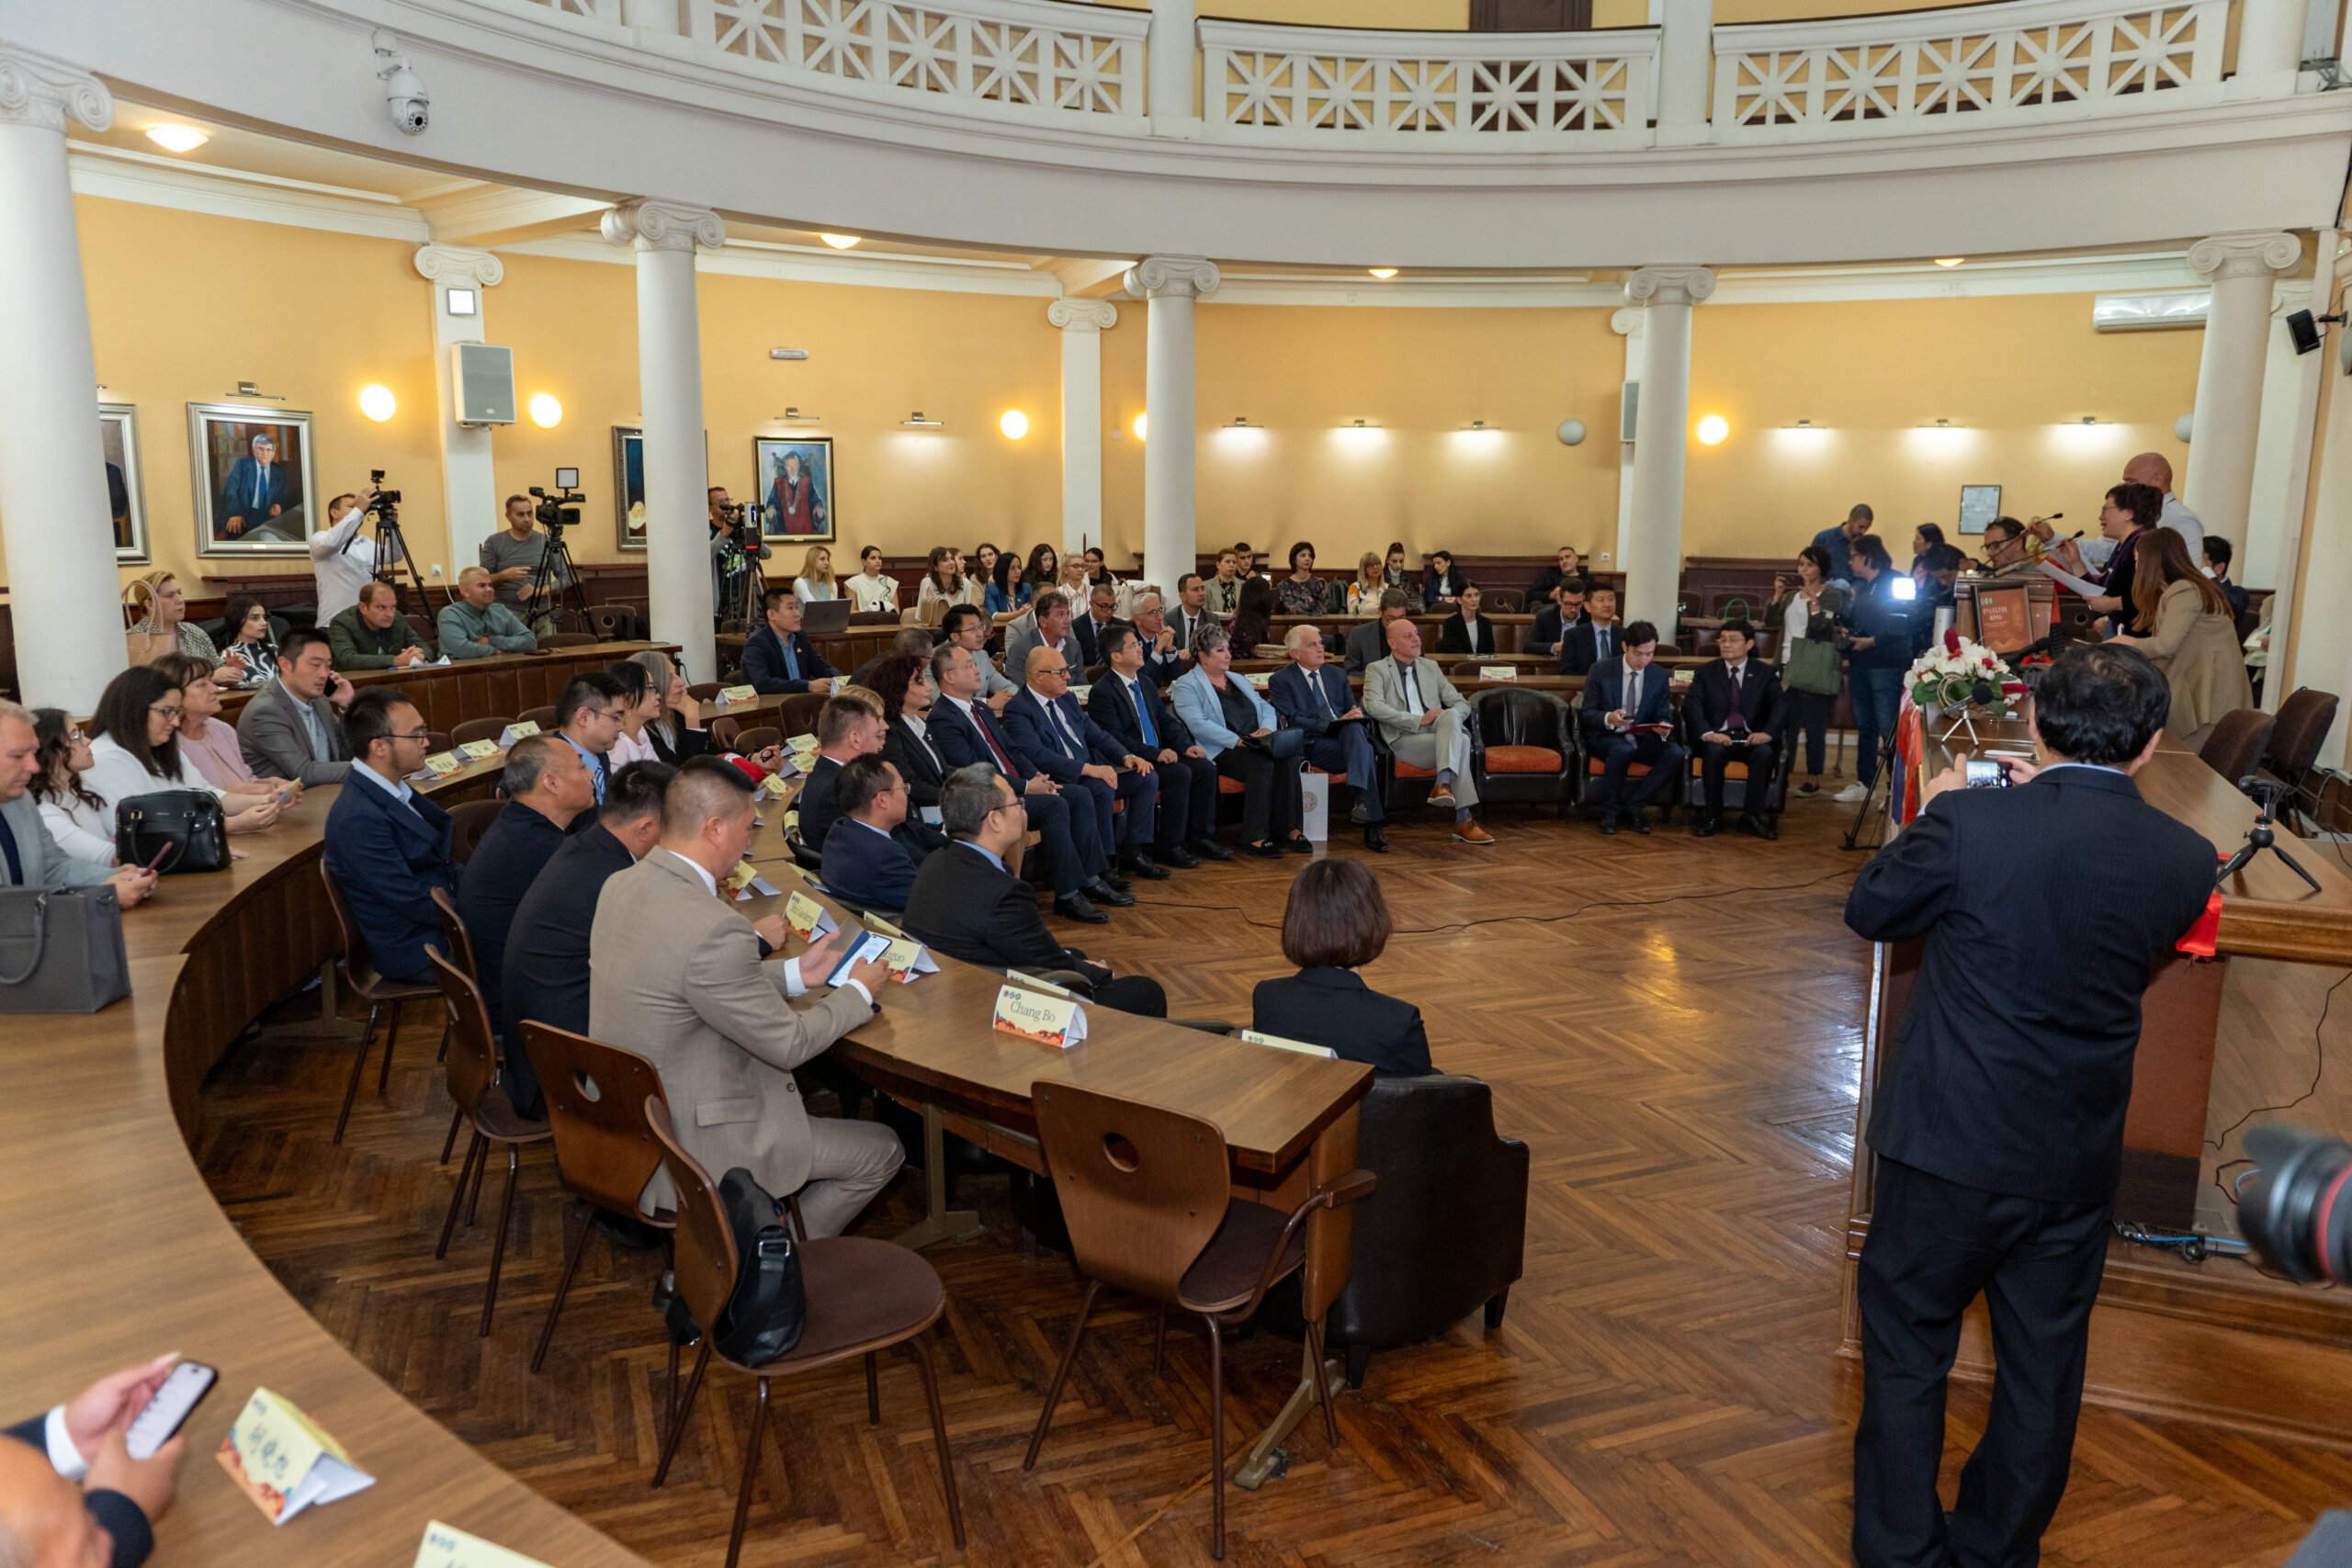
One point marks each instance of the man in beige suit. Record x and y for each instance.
(1425, 722)
(675, 973)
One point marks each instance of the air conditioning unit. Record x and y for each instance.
(1628, 404)
(482, 376)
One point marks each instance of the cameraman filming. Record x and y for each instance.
(512, 558)
(341, 559)
(734, 545)
(1999, 1120)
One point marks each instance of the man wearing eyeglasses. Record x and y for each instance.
(387, 847)
(1053, 735)
(588, 715)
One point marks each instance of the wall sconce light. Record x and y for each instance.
(1142, 423)
(177, 138)
(1014, 425)
(842, 241)
(794, 416)
(1714, 429)
(545, 412)
(917, 420)
(375, 401)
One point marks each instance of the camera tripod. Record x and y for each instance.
(391, 554)
(570, 595)
(1887, 762)
(2263, 835)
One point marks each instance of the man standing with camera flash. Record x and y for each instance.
(1997, 1121)
(341, 560)
(512, 558)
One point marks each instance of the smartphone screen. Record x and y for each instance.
(1983, 775)
(182, 1391)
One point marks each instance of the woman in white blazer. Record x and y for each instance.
(1244, 737)
(134, 750)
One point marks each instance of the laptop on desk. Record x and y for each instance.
(824, 618)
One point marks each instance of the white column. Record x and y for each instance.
(52, 468)
(669, 365)
(2270, 47)
(1171, 95)
(1686, 57)
(1653, 555)
(2243, 270)
(1171, 283)
(1082, 323)
(1626, 322)
(469, 480)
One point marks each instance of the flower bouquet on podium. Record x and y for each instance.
(1962, 678)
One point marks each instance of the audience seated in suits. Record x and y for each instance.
(1594, 638)
(1164, 657)
(385, 846)
(1127, 706)
(848, 726)
(1048, 624)
(29, 854)
(588, 715)
(1313, 697)
(546, 961)
(373, 634)
(676, 974)
(1101, 614)
(1733, 706)
(967, 627)
(1242, 735)
(1189, 617)
(777, 659)
(968, 904)
(546, 790)
(903, 682)
(70, 1496)
(1368, 643)
(291, 728)
(1554, 619)
(1466, 631)
(1052, 735)
(1424, 721)
(1443, 581)
(1336, 922)
(1622, 694)
(872, 849)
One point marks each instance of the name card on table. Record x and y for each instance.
(1049, 1020)
(478, 749)
(772, 787)
(441, 765)
(905, 958)
(284, 1462)
(807, 918)
(1035, 984)
(876, 922)
(746, 881)
(802, 747)
(1276, 1041)
(521, 729)
(737, 694)
(1498, 671)
(446, 1546)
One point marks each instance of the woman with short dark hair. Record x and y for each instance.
(1302, 592)
(1335, 923)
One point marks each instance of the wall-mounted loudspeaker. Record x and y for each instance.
(1628, 405)
(482, 376)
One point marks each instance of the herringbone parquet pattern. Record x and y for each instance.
(1666, 1389)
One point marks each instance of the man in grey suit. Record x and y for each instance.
(1048, 624)
(291, 728)
(29, 855)
(1425, 722)
(675, 972)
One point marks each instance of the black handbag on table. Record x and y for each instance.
(765, 1319)
(61, 950)
(185, 827)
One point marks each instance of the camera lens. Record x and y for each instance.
(2294, 1207)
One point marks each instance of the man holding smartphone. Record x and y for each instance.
(70, 1492)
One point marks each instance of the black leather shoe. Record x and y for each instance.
(1209, 849)
(1608, 823)
(627, 1230)
(1267, 850)
(1183, 859)
(1101, 892)
(1135, 865)
(1708, 827)
(1077, 907)
(1635, 820)
(1759, 826)
(1375, 840)
(1114, 882)
(1299, 844)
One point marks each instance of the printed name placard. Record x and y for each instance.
(1278, 1043)
(737, 694)
(1035, 984)
(478, 749)
(284, 1462)
(441, 765)
(905, 958)
(772, 787)
(446, 1546)
(521, 729)
(876, 922)
(1498, 671)
(806, 916)
(1058, 1020)
(802, 745)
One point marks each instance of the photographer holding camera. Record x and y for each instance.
(1998, 1117)
(735, 547)
(341, 558)
(512, 558)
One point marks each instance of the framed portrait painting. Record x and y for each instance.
(126, 495)
(629, 486)
(796, 487)
(255, 491)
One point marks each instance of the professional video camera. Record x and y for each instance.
(387, 501)
(560, 511)
(2292, 1205)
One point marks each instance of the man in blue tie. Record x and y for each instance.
(588, 715)
(257, 493)
(1595, 639)
(1053, 735)
(1127, 706)
(777, 659)
(1314, 698)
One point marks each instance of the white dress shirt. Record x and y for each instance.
(341, 572)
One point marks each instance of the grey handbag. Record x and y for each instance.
(61, 950)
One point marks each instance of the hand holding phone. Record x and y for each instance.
(164, 1414)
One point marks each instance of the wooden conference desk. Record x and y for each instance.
(500, 687)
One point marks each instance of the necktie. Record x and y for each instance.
(1634, 697)
(1602, 636)
(1738, 720)
(980, 723)
(791, 661)
(1412, 689)
(1064, 737)
(1324, 691)
(8, 849)
(261, 485)
(1143, 715)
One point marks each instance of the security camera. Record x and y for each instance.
(411, 105)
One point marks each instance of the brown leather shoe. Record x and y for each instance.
(1440, 795)
(1471, 833)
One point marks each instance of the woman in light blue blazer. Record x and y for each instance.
(1243, 736)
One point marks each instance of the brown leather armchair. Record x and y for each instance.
(1531, 747)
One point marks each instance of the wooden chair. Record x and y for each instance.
(604, 1150)
(757, 739)
(472, 1073)
(380, 993)
(2236, 745)
(459, 944)
(722, 731)
(479, 730)
(438, 741)
(2304, 720)
(1148, 1198)
(1505, 601)
(797, 714)
(542, 717)
(703, 690)
(606, 621)
(864, 1297)
(469, 821)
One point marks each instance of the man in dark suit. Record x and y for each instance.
(546, 789)
(847, 729)
(963, 731)
(1126, 704)
(546, 961)
(70, 1492)
(588, 716)
(872, 853)
(1101, 614)
(1732, 706)
(1191, 612)
(1594, 638)
(1998, 1120)
(385, 846)
(1368, 644)
(777, 659)
(1567, 567)
(1164, 657)
(1052, 735)
(1315, 698)
(971, 907)
(1553, 621)
(906, 743)
(1628, 718)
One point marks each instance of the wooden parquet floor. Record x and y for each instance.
(1680, 1056)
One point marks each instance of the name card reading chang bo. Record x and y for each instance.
(1049, 1020)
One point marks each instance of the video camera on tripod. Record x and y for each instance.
(558, 511)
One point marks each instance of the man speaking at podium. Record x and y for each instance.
(1998, 1122)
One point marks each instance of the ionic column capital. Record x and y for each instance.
(1625, 321)
(1084, 315)
(455, 264)
(1181, 277)
(1671, 284)
(2244, 255)
(653, 225)
(39, 90)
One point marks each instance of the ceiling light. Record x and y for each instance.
(917, 420)
(1950, 261)
(1142, 423)
(177, 138)
(1383, 273)
(1714, 429)
(1016, 424)
(842, 241)
(545, 412)
(376, 400)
